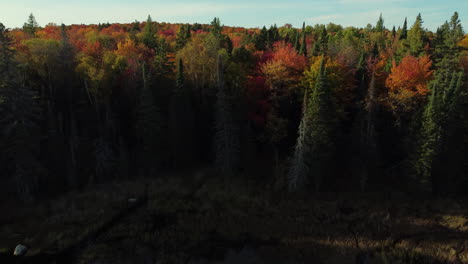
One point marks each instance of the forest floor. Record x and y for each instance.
(195, 218)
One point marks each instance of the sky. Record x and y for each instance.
(245, 13)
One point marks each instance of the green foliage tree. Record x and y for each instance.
(416, 37)
(183, 36)
(404, 30)
(299, 169)
(227, 135)
(148, 127)
(19, 117)
(149, 34)
(303, 48)
(181, 121)
(323, 124)
(31, 25)
(379, 27)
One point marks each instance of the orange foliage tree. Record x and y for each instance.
(284, 68)
(407, 83)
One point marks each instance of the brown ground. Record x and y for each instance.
(231, 221)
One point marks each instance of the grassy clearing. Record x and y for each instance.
(227, 220)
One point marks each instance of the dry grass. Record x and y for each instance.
(226, 215)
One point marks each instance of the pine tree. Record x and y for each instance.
(439, 150)
(455, 31)
(148, 127)
(380, 24)
(303, 49)
(296, 40)
(404, 30)
(260, 40)
(31, 25)
(227, 135)
(19, 116)
(299, 170)
(416, 37)
(149, 38)
(183, 36)
(216, 28)
(322, 122)
(323, 40)
(66, 99)
(181, 121)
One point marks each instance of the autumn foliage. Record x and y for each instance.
(407, 83)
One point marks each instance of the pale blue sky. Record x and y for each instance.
(247, 13)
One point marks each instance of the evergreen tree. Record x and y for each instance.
(149, 37)
(183, 36)
(216, 28)
(455, 31)
(380, 24)
(19, 116)
(31, 25)
(303, 49)
(439, 152)
(404, 30)
(416, 37)
(148, 127)
(299, 169)
(323, 40)
(260, 40)
(296, 40)
(393, 32)
(181, 121)
(227, 144)
(322, 122)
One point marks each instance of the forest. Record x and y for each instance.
(325, 132)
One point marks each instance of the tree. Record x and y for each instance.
(31, 25)
(416, 37)
(148, 129)
(181, 121)
(404, 30)
(227, 145)
(439, 149)
(20, 114)
(303, 49)
(380, 24)
(260, 40)
(322, 131)
(299, 169)
(183, 36)
(148, 35)
(456, 31)
(407, 83)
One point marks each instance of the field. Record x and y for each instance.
(205, 218)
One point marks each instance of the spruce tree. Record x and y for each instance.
(149, 34)
(380, 24)
(299, 169)
(404, 30)
(181, 121)
(416, 37)
(322, 122)
(19, 116)
(303, 49)
(183, 36)
(296, 40)
(227, 135)
(439, 157)
(148, 129)
(31, 25)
